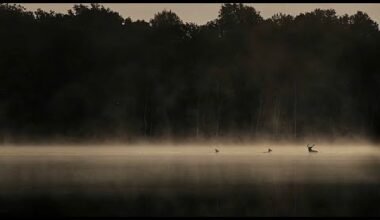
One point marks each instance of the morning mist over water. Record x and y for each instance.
(104, 115)
(190, 180)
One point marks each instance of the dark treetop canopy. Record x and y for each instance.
(91, 73)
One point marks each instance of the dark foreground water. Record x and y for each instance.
(189, 181)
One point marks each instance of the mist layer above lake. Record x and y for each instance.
(188, 180)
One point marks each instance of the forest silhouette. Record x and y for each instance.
(90, 73)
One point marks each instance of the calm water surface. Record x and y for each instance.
(187, 180)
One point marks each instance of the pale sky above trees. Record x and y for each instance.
(202, 13)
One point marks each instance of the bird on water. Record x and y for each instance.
(309, 147)
(269, 150)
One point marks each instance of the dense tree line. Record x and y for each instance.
(91, 73)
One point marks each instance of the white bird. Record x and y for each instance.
(269, 150)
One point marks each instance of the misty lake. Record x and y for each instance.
(187, 180)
